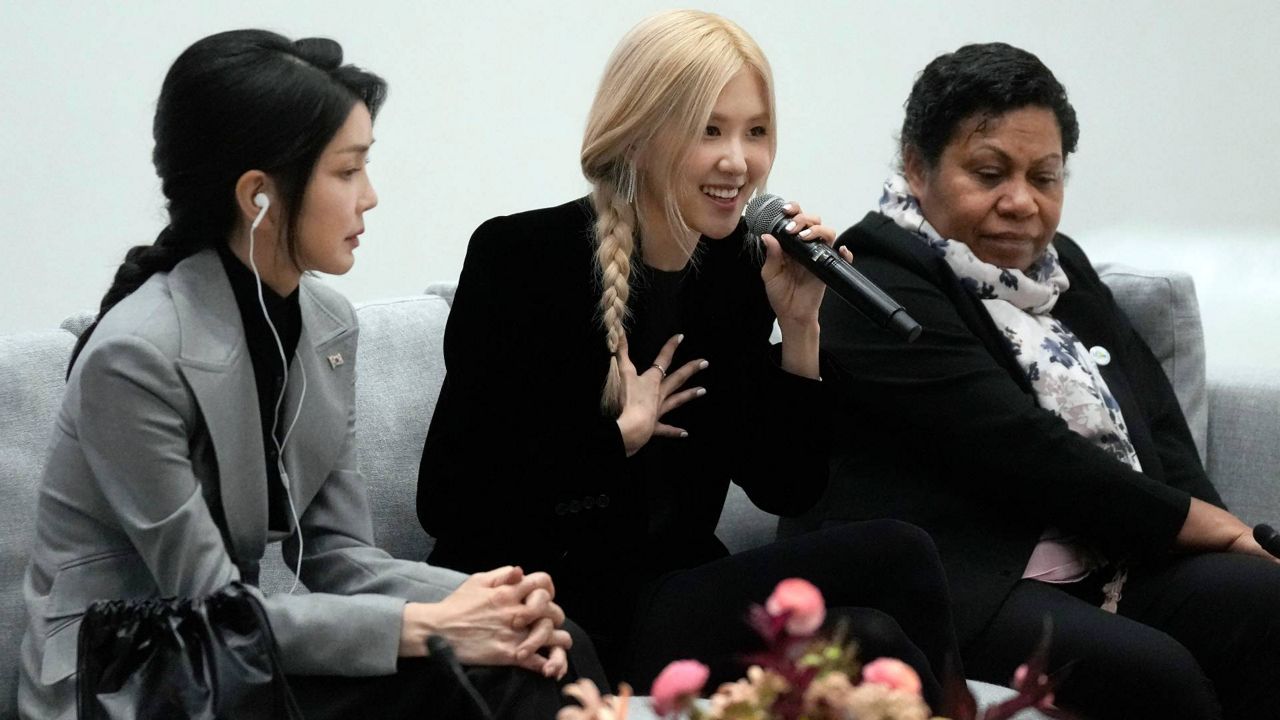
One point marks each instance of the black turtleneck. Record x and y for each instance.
(268, 373)
(659, 301)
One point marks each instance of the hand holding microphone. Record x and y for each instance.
(794, 293)
(765, 216)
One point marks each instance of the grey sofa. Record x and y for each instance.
(1236, 419)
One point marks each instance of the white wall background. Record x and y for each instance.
(1179, 103)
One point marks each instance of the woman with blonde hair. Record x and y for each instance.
(600, 418)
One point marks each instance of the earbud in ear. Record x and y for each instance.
(262, 202)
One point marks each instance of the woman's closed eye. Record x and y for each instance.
(1047, 179)
(989, 175)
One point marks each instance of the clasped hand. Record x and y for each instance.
(500, 617)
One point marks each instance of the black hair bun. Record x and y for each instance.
(321, 52)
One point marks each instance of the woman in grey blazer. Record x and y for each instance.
(194, 431)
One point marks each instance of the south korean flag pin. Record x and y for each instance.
(335, 360)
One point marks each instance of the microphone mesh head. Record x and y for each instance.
(763, 213)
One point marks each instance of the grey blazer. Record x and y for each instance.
(156, 469)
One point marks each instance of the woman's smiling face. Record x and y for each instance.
(732, 157)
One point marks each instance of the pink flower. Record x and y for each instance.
(677, 684)
(892, 673)
(803, 604)
(592, 705)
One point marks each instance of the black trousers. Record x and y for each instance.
(424, 688)
(1195, 637)
(884, 576)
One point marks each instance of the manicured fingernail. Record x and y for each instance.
(790, 226)
(684, 434)
(805, 232)
(700, 392)
(786, 208)
(679, 338)
(703, 365)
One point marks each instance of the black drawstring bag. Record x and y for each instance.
(207, 658)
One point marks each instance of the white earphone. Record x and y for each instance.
(262, 201)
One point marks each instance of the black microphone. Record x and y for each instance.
(1268, 538)
(441, 651)
(764, 215)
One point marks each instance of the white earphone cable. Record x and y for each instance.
(275, 418)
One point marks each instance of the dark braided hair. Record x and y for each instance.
(991, 79)
(233, 102)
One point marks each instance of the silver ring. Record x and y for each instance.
(661, 370)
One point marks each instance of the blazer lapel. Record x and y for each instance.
(215, 362)
(971, 310)
(326, 354)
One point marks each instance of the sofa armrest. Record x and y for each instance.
(1163, 308)
(1244, 441)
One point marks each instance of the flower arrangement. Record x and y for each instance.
(801, 676)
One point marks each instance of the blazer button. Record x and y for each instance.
(602, 501)
(561, 509)
(574, 506)
(588, 502)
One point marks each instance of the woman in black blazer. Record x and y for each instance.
(1030, 429)
(610, 372)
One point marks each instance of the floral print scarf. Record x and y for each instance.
(1063, 373)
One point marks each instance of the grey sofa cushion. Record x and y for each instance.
(1162, 306)
(743, 525)
(1244, 442)
(32, 367)
(444, 290)
(398, 374)
(79, 322)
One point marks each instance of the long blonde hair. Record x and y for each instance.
(658, 90)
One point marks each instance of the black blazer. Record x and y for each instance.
(521, 467)
(946, 432)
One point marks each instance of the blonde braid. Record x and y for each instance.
(615, 242)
